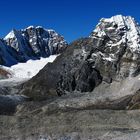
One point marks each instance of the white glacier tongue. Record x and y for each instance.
(126, 28)
(28, 69)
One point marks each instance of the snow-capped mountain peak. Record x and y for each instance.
(31, 43)
(117, 40)
(120, 28)
(30, 27)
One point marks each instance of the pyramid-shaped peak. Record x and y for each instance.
(119, 29)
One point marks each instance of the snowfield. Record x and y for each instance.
(29, 69)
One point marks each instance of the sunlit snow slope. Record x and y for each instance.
(30, 68)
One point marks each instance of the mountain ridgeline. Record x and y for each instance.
(111, 53)
(30, 43)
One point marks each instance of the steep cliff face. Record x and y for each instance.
(110, 54)
(30, 43)
(118, 40)
(6, 54)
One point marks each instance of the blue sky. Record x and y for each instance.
(71, 18)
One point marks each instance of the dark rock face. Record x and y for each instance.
(30, 43)
(7, 54)
(69, 72)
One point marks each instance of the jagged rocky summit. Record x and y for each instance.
(30, 43)
(118, 40)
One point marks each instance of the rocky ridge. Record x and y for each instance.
(108, 55)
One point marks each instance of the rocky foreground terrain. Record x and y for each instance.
(90, 92)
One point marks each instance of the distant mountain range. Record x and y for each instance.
(30, 43)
